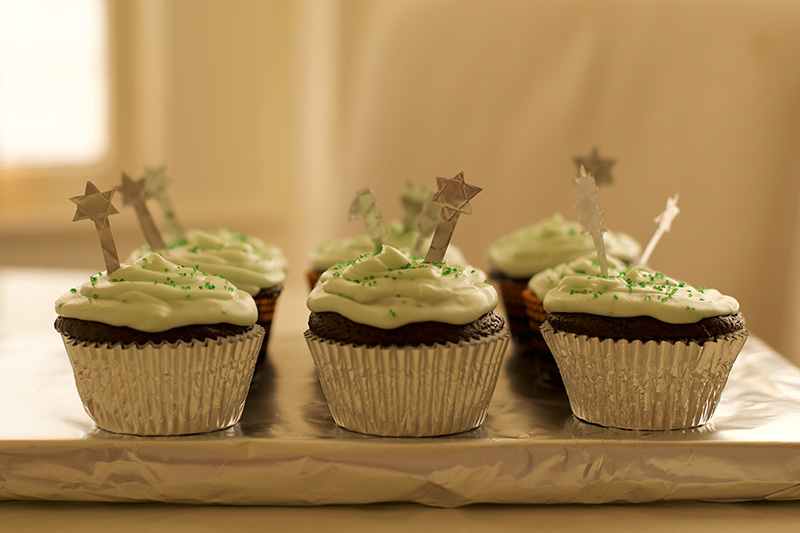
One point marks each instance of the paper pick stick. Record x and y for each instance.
(664, 221)
(133, 193)
(414, 199)
(364, 206)
(426, 224)
(596, 166)
(590, 215)
(454, 195)
(156, 182)
(96, 206)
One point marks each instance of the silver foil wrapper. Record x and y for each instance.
(165, 389)
(643, 385)
(409, 391)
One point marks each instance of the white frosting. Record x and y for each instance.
(553, 241)
(244, 260)
(391, 289)
(588, 264)
(639, 292)
(336, 251)
(153, 294)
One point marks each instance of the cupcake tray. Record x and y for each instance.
(287, 451)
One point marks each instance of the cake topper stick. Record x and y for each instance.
(664, 221)
(133, 193)
(596, 166)
(156, 182)
(364, 206)
(97, 206)
(414, 199)
(590, 215)
(454, 195)
(427, 223)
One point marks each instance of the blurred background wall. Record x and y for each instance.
(270, 114)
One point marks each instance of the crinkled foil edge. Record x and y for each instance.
(409, 391)
(164, 389)
(643, 385)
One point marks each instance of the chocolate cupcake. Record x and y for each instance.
(160, 349)
(403, 347)
(517, 257)
(642, 350)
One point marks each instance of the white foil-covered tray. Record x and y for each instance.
(287, 451)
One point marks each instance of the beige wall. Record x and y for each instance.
(270, 115)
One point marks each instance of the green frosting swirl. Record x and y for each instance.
(244, 260)
(639, 292)
(153, 294)
(550, 242)
(391, 289)
(588, 264)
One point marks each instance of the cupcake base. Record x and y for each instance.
(653, 385)
(409, 391)
(165, 389)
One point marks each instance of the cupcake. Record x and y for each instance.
(517, 257)
(538, 285)
(403, 347)
(335, 251)
(253, 266)
(160, 349)
(642, 350)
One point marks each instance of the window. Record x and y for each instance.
(54, 83)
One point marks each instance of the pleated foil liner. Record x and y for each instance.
(165, 389)
(643, 385)
(415, 391)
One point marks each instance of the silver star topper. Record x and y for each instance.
(96, 206)
(597, 166)
(454, 196)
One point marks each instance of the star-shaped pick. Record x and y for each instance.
(664, 221)
(597, 166)
(156, 182)
(134, 193)
(454, 196)
(96, 206)
(364, 206)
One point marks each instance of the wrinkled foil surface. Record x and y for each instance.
(165, 389)
(643, 385)
(409, 391)
(287, 450)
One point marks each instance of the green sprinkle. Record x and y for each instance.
(616, 297)
(391, 312)
(73, 291)
(94, 296)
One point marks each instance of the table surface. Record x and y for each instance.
(26, 320)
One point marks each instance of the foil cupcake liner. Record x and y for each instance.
(165, 389)
(643, 385)
(409, 391)
(266, 314)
